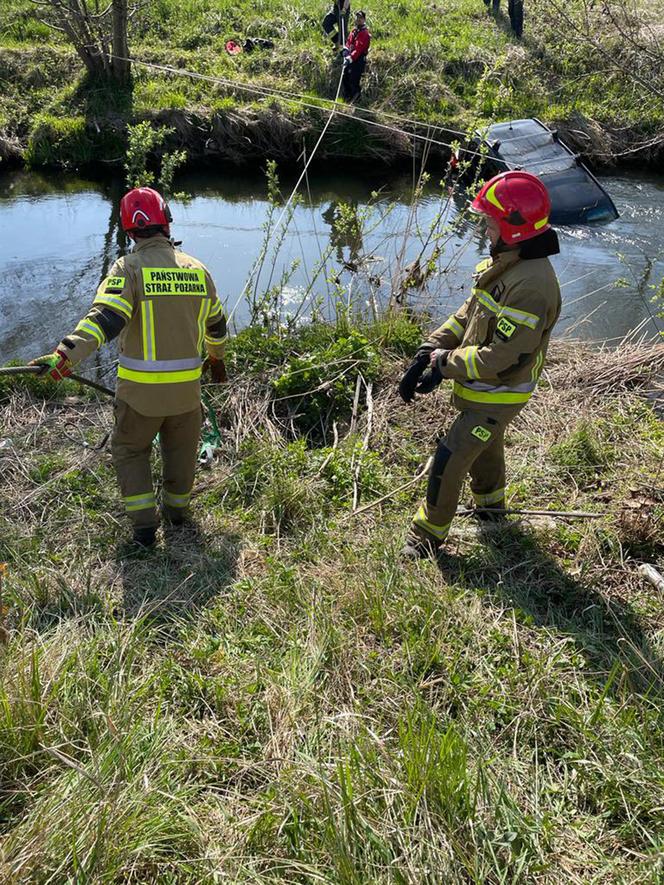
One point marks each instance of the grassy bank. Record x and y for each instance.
(273, 697)
(595, 74)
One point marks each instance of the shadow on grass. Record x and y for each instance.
(514, 568)
(99, 98)
(176, 580)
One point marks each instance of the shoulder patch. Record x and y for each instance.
(114, 284)
(505, 329)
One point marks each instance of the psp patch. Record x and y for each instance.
(114, 285)
(505, 329)
(481, 433)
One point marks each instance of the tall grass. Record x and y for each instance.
(453, 65)
(274, 697)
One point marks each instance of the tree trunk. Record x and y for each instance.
(120, 65)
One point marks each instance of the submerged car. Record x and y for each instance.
(576, 195)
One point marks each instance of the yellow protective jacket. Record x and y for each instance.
(499, 337)
(164, 306)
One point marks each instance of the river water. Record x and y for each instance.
(58, 236)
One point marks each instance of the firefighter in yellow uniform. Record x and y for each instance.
(164, 306)
(493, 349)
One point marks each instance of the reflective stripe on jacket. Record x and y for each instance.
(165, 307)
(499, 337)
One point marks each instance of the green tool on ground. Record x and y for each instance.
(210, 433)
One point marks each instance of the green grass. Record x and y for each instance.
(454, 65)
(275, 698)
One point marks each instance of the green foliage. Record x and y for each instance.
(658, 301)
(21, 26)
(292, 487)
(277, 684)
(277, 483)
(323, 378)
(155, 95)
(69, 142)
(40, 387)
(400, 332)
(45, 466)
(143, 143)
(105, 822)
(348, 466)
(584, 452)
(256, 349)
(314, 367)
(462, 68)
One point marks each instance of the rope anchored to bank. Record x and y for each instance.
(308, 162)
(357, 114)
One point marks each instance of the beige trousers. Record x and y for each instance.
(473, 445)
(131, 445)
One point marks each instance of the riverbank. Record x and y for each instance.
(274, 697)
(454, 69)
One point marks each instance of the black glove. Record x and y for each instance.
(413, 373)
(429, 381)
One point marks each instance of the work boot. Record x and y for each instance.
(145, 536)
(175, 517)
(415, 549)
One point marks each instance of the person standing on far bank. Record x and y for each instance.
(515, 12)
(355, 57)
(164, 306)
(335, 23)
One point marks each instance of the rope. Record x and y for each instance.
(270, 92)
(304, 99)
(246, 286)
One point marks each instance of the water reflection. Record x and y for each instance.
(357, 235)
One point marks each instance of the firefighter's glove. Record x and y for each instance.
(438, 359)
(217, 369)
(430, 380)
(57, 365)
(434, 374)
(345, 52)
(413, 373)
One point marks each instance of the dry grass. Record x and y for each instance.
(273, 697)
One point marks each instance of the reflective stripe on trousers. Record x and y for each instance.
(439, 532)
(172, 500)
(144, 501)
(487, 500)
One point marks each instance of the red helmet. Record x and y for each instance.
(519, 202)
(144, 207)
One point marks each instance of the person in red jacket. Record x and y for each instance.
(355, 57)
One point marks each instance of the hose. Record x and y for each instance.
(39, 370)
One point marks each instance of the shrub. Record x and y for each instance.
(278, 484)
(325, 378)
(286, 488)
